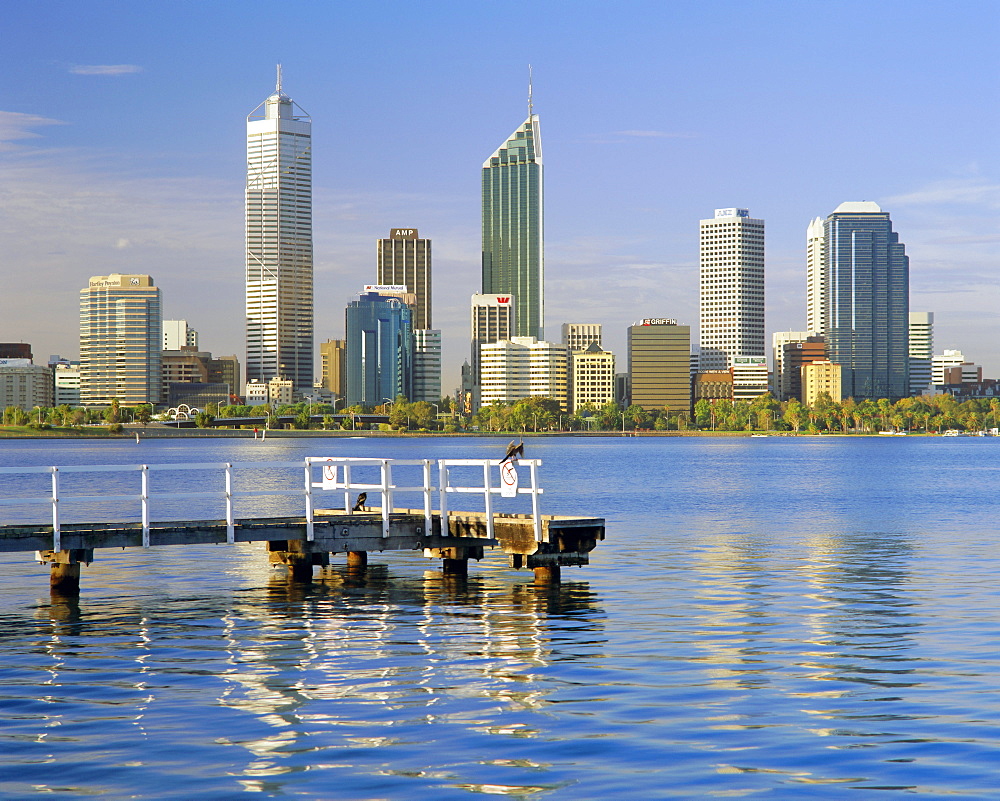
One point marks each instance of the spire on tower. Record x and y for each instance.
(530, 107)
(277, 87)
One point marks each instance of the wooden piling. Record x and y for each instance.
(547, 574)
(65, 578)
(455, 567)
(357, 560)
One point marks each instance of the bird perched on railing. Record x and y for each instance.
(359, 504)
(515, 451)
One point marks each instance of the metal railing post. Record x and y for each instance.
(488, 495)
(230, 522)
(144, 500)
(428, 511)
(534, 502)
(309, 502)
(56, 532)
(443, 496)
(386, 496)
(348, 507)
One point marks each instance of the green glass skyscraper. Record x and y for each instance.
(513, 258)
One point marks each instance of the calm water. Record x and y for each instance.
(809, 618)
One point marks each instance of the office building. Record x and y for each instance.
(749, 377)
(951, 367)
(492, 321)
(867, 289)
(426, 365)
(513, 257)
(379, 350)
(794, 356)
(66, 381)
(592, 377)
(732, 287)
(15, 350)
(523, 367)
(404, 259)
(580, 336)
(279, 250)
(778, 341)
(177, 334)
(712, 385)
(921, 337)
(25, 385)
(815, 277)
(120, 341)
(659, 356)
(219, 378)
(333, 362)
(819, 377)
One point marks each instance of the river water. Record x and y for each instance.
(768, 618)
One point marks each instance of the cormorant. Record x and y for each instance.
(359, 504)
(514, 451)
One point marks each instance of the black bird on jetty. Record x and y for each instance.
(514, 451)
(359, 504)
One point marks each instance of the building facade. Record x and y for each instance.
(513, 247)
(427, 365)
(492, 321)
(333, 362)
(580, 336)
(794, 355)
(867, 285)
(279, 249)
(178, 334)
(404, 259)
(778, 341)
(815, 276)
(25, 385)
(120, 341)
(731, 288)
(379, 350)
(523, 367)
(592, 377)
(921, 338)
(749, 377)
(820, 377)
(659, 359)
(66, 380)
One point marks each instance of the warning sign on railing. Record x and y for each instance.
(508, 480)
(329, 476)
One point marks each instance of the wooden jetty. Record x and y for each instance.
(543, 543)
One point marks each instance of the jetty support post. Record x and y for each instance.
(455, 559)
(357, 560)
(298, 556)
(64, 577)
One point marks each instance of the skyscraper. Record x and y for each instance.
(659, 364)
(404, 259)
(867, 303)
(513, 258)
(379, 350)
(732, 288)
(120, 340)
(815, 274)
(279, 254)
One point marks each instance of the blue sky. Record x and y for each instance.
(122, 149)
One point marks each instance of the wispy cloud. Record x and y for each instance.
(976, 191)
(15, 125)
(105, 69)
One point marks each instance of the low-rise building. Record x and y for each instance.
(749, 377)
(593, 377)
(819, 377)
(524, 367)
(25, 385)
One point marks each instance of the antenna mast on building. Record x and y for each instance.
(530, 107)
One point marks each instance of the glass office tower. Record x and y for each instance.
(279, 251)
(513, 259)
(867, 290)
(379, 350)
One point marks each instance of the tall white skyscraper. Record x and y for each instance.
(815, 277)
(732, 288)
(279, 254)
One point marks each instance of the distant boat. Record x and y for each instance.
(760, 435)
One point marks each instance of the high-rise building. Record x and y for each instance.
(333, 362)
(732, 287)
(404, 259)
(426, 365)
(921, 336)
(513, 250)
(778, 341)
(794, 356)
(659, 365)
(178, 334)
(867, 303)
(592, 378)
(492, 321)
(120, 340)
(580, 336)
(522, 367)
(15, 350)
(815, 277)
(379, 350)
(279, 251)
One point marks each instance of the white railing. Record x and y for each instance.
(341, 480)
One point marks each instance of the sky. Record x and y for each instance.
(122, 149)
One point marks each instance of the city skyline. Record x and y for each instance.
(632, 162)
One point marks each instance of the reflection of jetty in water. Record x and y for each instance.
(365, 666)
